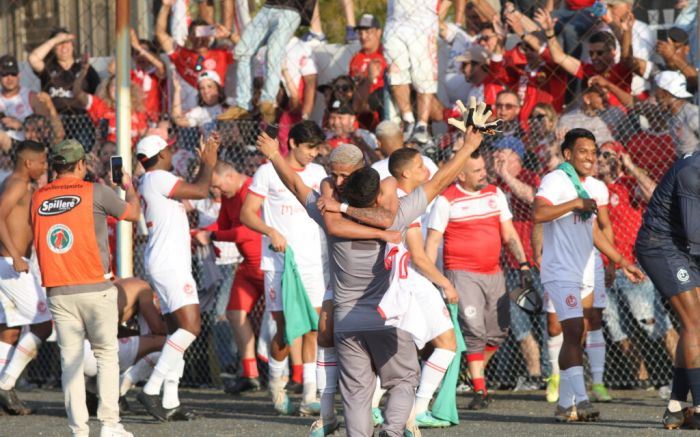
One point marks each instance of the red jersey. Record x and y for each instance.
(619, 75)
(186, 62)
(151, 86)
(522, 213)
(360, 63)
(248, 242)
(652, 152)
(98, 110)
(625, 214)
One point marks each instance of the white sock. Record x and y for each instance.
(5, 355)
(566, 390)
(674, 406)
(422, 123)
(24, 352)
(170, 386)
(408, 117)
(327, 380)
(595, 349)
(577, 383)
(277, 372)
(378, 393)
(433, 371)
(138, 372)
(309, 378)
(172, 353)
(553, 348)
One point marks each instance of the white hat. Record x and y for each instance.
(387, 128)
(150, 145)
(673, 82)
(209, 74)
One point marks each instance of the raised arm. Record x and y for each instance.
(164, 39)
(269, 147)
(199, 189)
(37, 56)
(623, 96)
(626, 51)
(152, 59)
(178, 117)
(646, 184)
(568, 63)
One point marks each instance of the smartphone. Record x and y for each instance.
(662, 34)
(204, 31)
(117, 173)
(272, 130)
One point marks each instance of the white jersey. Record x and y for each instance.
(168, 245)
(420, 14)
(283, 212)
(382, 167)
(18, 107)
(567, 240)
(598, 192)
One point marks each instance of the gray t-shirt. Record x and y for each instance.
(684, 129)
(357, 268)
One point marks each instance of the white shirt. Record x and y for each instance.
(299, 62)
(443, 211)
(421, 14)
(200, 116)
(567, 240)
(19, 107)
(382, 167)
(598, 192)
(207, 214)
(283, 212)
(168, 246)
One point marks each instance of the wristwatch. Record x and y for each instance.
(524, 264)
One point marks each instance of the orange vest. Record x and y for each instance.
(64, 234)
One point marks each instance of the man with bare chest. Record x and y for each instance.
(22, 299)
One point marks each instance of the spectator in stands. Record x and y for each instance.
(652, 147)
(508, 110)
(592, 101)
(390, 139)
(675, 52)
(673, 96)
(148, 72)
(574, 19)
(542, 141)
(602, 50)
(273, 25)
(342, 129)
(519, 185)
(17, 103)
(367, 67)
(210, 99)
(475, 67)
(40, 129)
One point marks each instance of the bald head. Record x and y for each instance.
(390, 137)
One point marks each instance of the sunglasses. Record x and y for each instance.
(344, 87)
(508, 106)
(608, 154)
(598, 52)
(198, 66)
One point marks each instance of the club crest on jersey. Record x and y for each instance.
(571, 301)
(58, 205)
(59, 238)
(683, 275)
(188, 289)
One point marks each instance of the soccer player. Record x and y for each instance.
(168, 263)
(285, 222)
(566, 209)
(668, 247)
(22, 299)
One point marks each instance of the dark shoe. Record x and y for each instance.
(179, 414)
(11, 403)
(294, 387)
(674, 420)
(123, 405)
(587, 412)
(691, 419)
(92, 401)
(480, 401)
(152, 405)
(243, 384)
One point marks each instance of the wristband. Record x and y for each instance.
(344, 207)
(549, 36)
(524, 264)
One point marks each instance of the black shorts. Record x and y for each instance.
(672, 270)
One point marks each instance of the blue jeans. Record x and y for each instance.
(271, 26)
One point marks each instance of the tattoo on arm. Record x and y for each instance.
(516, 249)
(378, 217)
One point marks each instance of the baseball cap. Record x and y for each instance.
(209, 74)
(673, 82)
(678, 35)
(615, 146)
(150, 145)
(368, 21)
(68, 152)
(8, 65)
(475, 53)
(510, 142)
(340, 107)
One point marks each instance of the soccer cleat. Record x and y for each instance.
(309, 409)
(152, 405)
(123, 405)
(480, 401)
(377, 417)
(675, 420)
(295, 387)
(426, 420)
(587, 412)
(116, 430)
(281, 403)
(242, 385)
(562, 414)
(552, 391)
(234, 113)
(179, 414)
(600, 394)
(12, 405)
(321, 429)
(408, 130)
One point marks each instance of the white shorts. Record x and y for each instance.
(175, 289)
(22, 298)
(314, 283)
(412, 57)
(437, 316)
(128, 349)
(600, 297)
(565, 299)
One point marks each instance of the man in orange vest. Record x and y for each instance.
(70, 237)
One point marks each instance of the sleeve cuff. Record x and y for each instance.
(545, 200)
(125, 213)
(172, 190)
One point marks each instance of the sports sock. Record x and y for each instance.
(378, 393)
(5, 355)
(174, 349)
(479, 382)
(250, 367)
(171, 399)
(24, 352)
(408, 117)
(577, 383)
(422, 123)
(309, 394)
(553, 349)
(679, 386)
(276, 369)
(433, 371)
(595, 349)
(138, 372)
(326, 379)
(566, 391)
(298, 373)
(693, 376)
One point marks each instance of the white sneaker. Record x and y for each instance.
(116, 430)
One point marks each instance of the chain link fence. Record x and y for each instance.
(538, 100)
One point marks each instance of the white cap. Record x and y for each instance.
(209, 74)
(150, 145)
(673, 82)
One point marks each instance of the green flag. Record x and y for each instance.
(299, 315)
(445, 405)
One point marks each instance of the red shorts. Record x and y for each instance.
(246, 289)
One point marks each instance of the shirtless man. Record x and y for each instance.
(22, 299)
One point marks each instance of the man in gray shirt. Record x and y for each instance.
(672, 95)
(365, 346)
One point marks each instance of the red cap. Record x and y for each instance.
(615, 146)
